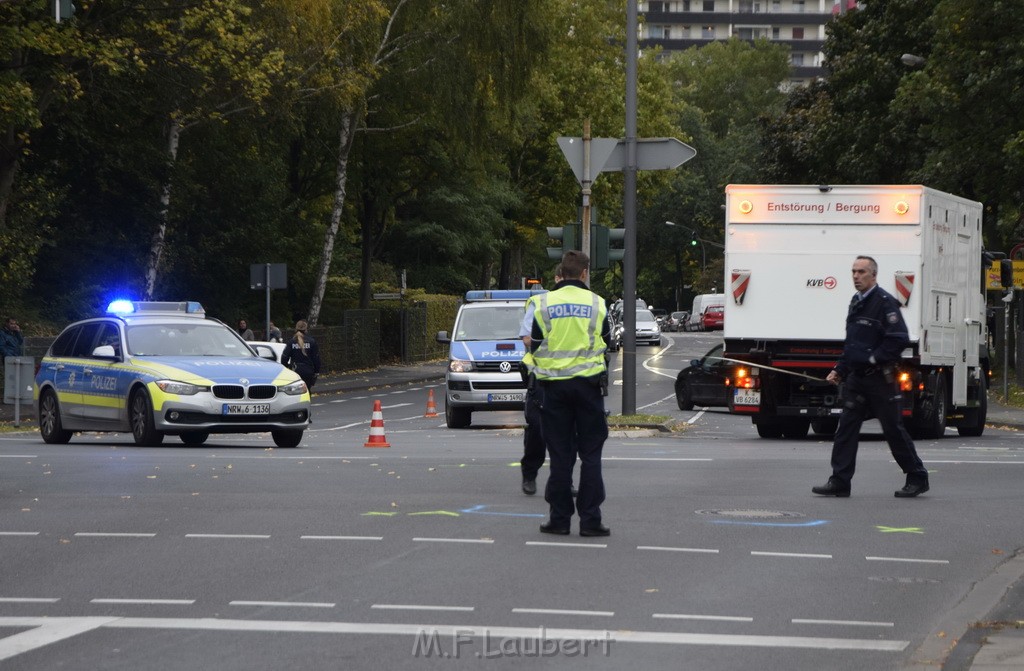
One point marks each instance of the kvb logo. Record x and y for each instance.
(826, 282)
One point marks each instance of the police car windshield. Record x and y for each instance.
(200, 339)
(491, 322)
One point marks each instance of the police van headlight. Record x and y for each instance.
(460, 366)
(179, 388)
(296, 388)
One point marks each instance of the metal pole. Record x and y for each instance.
(629, 221)
(17, 391)
(1006, 345)
(266, 283)
(587, 181)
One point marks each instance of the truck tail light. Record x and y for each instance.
(744, 380)
(906, 384)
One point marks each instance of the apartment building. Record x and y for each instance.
(676, 25)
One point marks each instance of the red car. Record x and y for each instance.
(713, 318)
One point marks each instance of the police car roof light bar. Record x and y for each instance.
(502, 294)
(126, 307)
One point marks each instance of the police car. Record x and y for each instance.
(158, 369)
(484, 354)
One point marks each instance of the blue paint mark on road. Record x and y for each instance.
(479, 510)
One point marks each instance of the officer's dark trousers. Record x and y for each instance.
(534, 450)
(872, 393)
(574, 406)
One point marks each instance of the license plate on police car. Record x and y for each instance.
(505, 398)
(246, 409)
(746, 397)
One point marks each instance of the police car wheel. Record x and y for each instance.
(50, 426)
(140, 415)
(194, 438)
(287, 437)
(457, 418)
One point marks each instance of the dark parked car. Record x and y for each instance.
(703, 382)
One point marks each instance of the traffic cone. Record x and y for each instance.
(431, 406)
(377, 438)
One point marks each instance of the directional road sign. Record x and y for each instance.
(609, 154)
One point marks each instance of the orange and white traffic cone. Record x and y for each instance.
(431, 406)
(377, 438)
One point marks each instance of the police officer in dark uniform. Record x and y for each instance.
(571, 327)
(875, 336)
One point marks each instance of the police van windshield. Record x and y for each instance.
(491, 322)
(202, 339)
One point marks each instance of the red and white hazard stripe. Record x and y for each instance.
(904, 286)
(740, 282)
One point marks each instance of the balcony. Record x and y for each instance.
(797, 46)
(743, 18)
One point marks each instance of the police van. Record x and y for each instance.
(484, 354)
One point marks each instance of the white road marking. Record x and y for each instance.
(19, 456)
(147, 602)
(339, 428)
(282, 456)
(658, 402)
(671, 549)
(556, 611)
(913, 561)
(54, 629)
(341, 538)
(256, 536)
(340, 400)
(104, 534)
(655, 459)
(395, 606)
(568, 545)
(972, 461)
(850, 623)
(288, 604)
(19, 533)
(394, 405)
(715, 618)
(798, 555)
(16, 599)
(487, 541)
(46, 631)
(693, 420)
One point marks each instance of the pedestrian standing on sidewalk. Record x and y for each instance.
(302, 354)
(876, 336)
(12, 342)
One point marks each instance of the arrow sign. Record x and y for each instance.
(658, 153)
(600, 149)
(609, 154)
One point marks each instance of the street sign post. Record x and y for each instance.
(609, 155)
(268, 276)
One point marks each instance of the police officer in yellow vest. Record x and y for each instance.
(570, 330)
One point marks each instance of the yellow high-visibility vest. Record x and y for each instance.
(571, 319)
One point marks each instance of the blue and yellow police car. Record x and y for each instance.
(484, 351)
(159, 368)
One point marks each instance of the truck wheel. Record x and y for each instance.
(932, 422)
(772, 430)
(796, 429)
(457, 418)
(976, 416)
(825, 427)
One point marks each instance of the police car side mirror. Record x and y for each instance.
(442, 337)
(105, 352)
(265, 352)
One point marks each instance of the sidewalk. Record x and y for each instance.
(997, 644)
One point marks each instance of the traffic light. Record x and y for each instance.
(1006, 273)
(569, 235)
(601, 253)
(693, 240)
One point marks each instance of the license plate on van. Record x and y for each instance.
(505, 398)
(746, 397)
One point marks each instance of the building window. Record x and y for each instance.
(798, 33)
(798, 6)
(797, 59)
(686, 5)
(775, 33)
(654, 6)
(707, 32)
(776, 5)
(709, 5)
(660, 32)
(686, 32)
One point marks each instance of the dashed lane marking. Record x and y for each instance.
(115, 534)
(671, 549)
(19, 599)
(19, 533)
(909, 560)
(712, 618)
(283, 604)
(844, 623)
(485, 541)
(341, 538)
(557, 611)
(241, 536)
(146, 602)
(567, 545)
(796, 555)
(398, 606)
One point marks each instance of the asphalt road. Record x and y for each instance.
(237, 555)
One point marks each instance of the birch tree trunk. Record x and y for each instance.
(345, 139)
(156, 247)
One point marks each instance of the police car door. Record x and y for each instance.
(103, 390)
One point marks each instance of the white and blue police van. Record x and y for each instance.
(484, 354)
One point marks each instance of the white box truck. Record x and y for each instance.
(788, 254)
